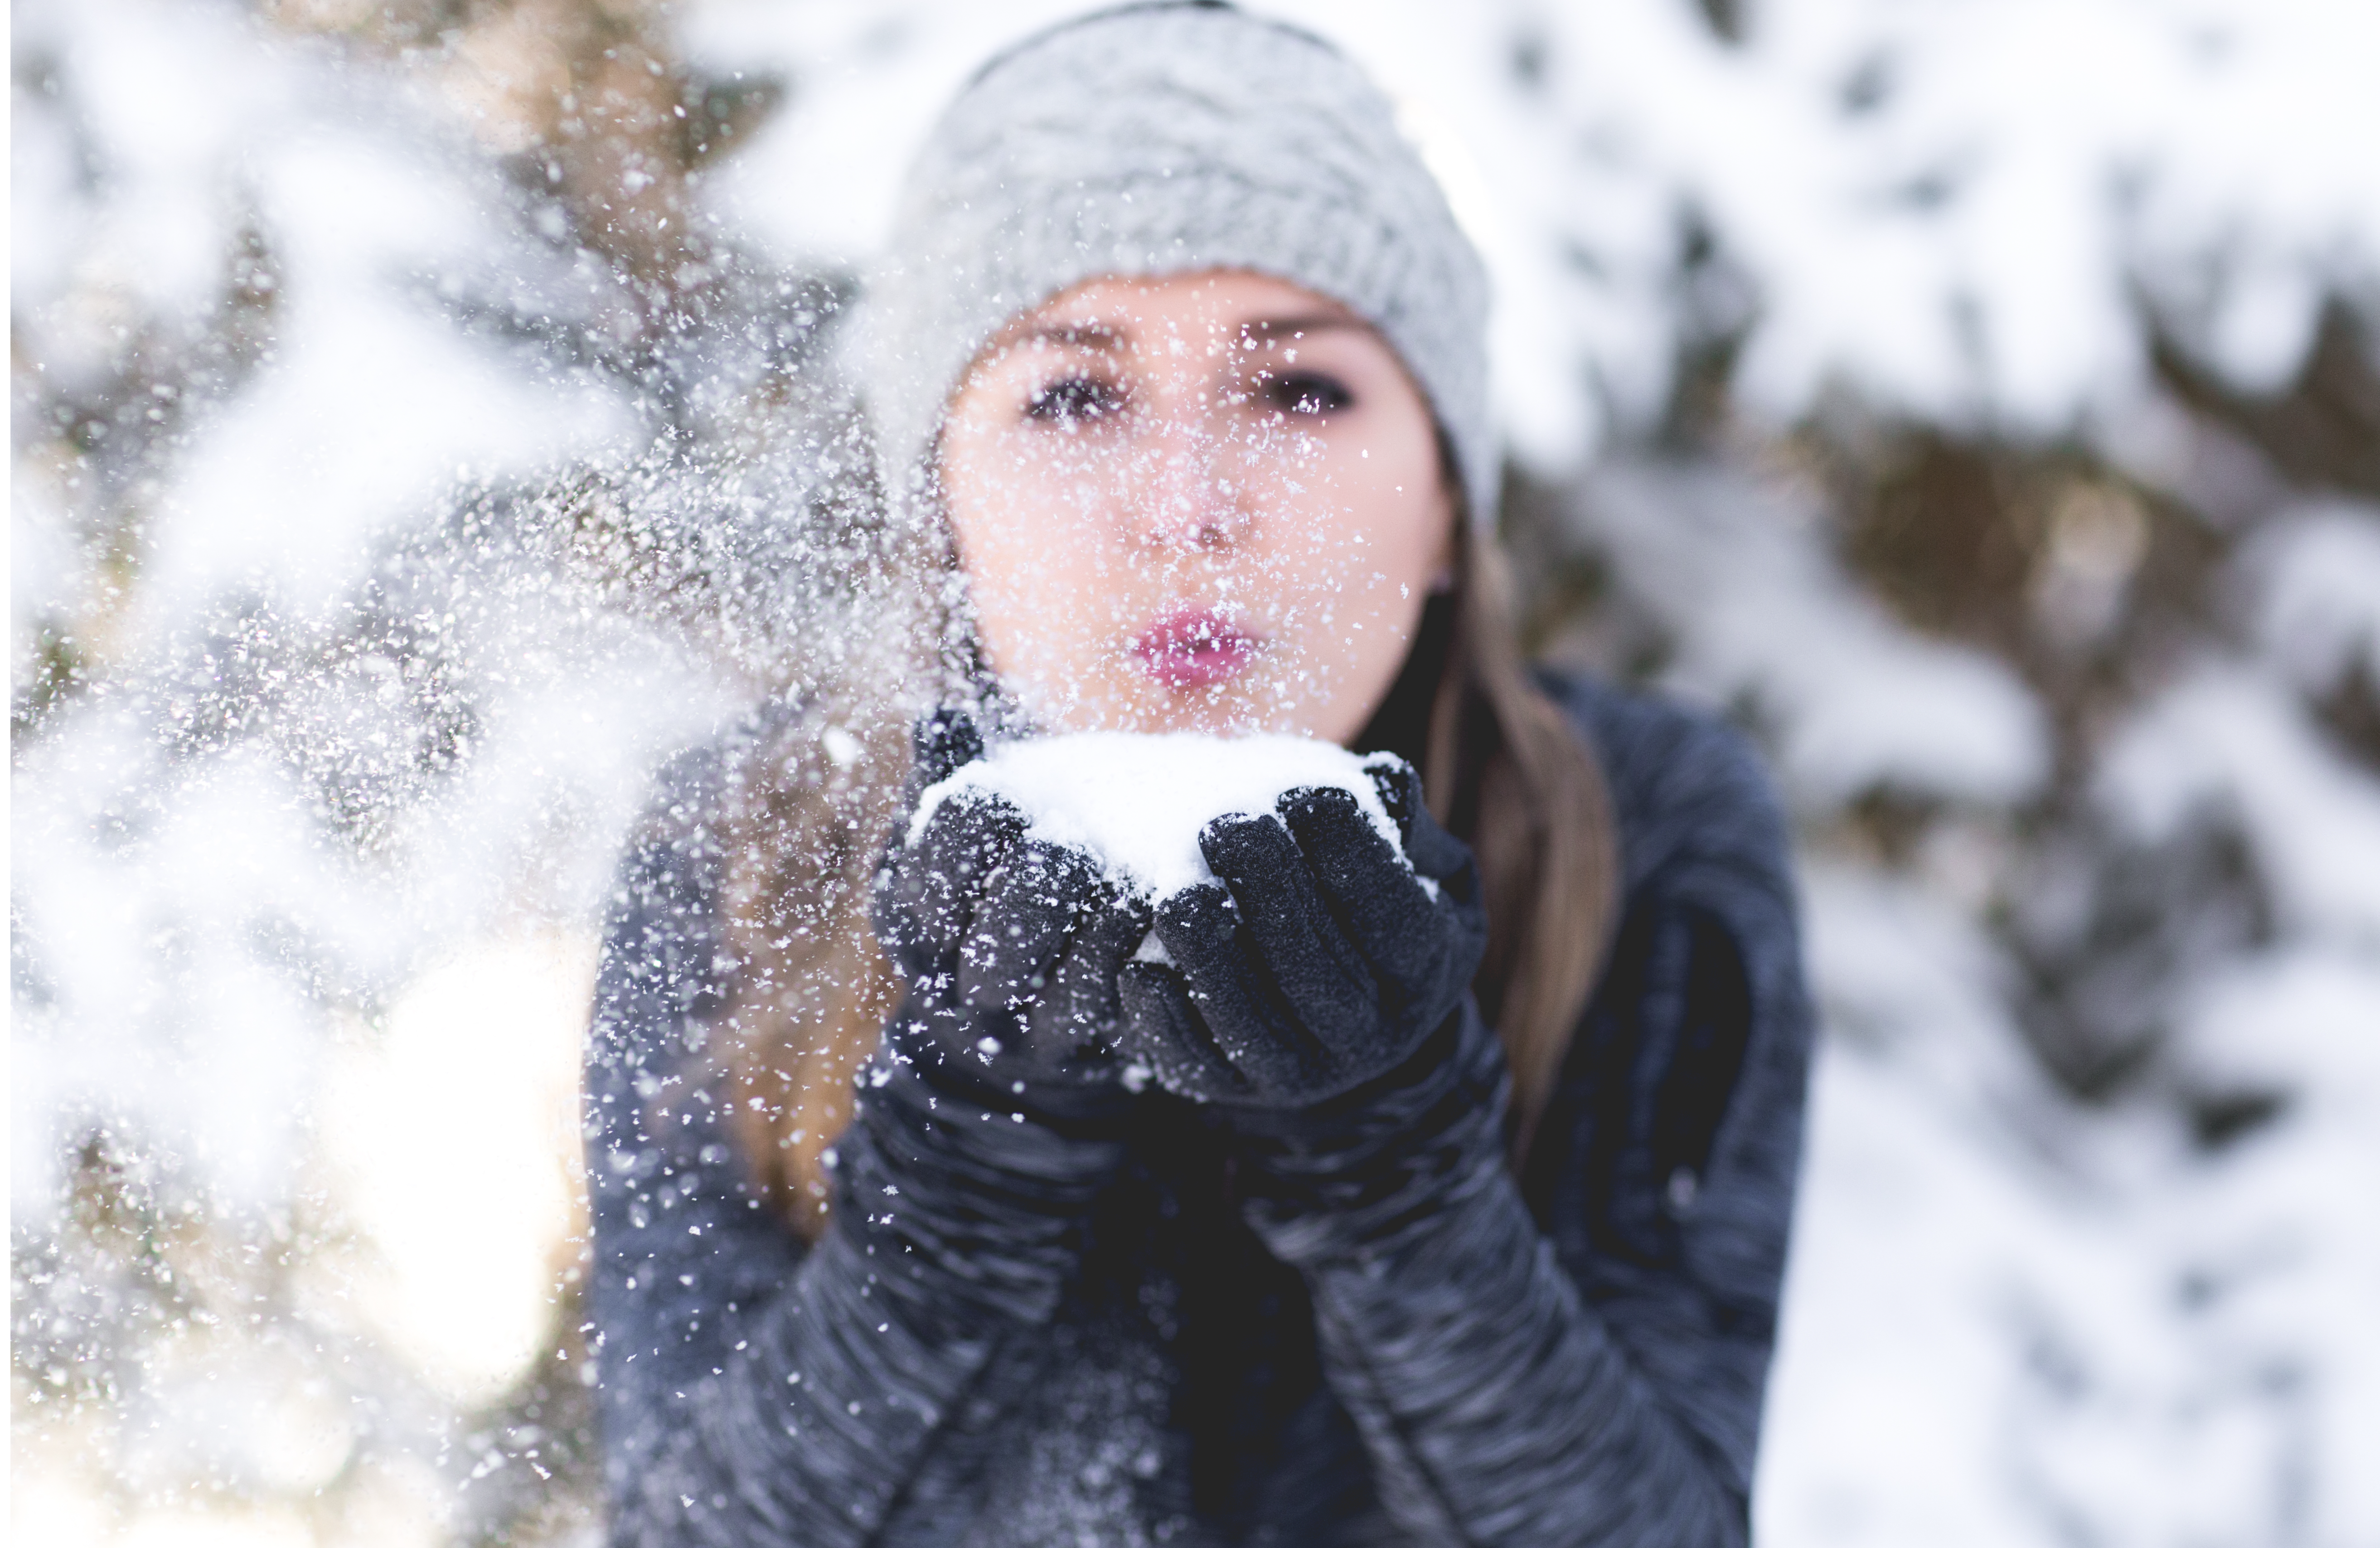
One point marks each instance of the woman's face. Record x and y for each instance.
(1207, 503)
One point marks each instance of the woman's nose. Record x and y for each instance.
(1184, 496)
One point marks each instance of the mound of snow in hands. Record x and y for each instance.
(1138, 801)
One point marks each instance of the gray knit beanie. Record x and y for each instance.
(1166, 138)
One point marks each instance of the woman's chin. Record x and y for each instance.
(1230, 711)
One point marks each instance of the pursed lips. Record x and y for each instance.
(1195, 647)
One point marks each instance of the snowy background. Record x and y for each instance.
(423, 421)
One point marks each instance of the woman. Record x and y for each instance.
(1437, 1196)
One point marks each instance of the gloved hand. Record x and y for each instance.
(1321, 961)
(1008, 947)
(990, 1117)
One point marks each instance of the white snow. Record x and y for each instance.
(2223, 736)
(2317, 572)
(1762, 614)
(1139, 800)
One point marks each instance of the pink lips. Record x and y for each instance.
(1196, 648)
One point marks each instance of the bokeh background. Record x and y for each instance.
(425, 417)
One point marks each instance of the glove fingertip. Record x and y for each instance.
(1063, 875)
(1190, 922)
(1241, 844)
(1134, 910)
(973, 832)
(1329, 822)
(1398, 785)
(945, 742)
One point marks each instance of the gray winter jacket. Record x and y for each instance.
(1108, 1343)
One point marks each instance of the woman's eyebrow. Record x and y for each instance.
(1270, 328)
(1080, 336)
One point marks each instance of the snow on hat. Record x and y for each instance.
(1159, 139)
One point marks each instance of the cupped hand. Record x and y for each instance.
(1319, 960)
(1008, 949)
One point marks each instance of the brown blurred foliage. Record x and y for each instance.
(584, 95)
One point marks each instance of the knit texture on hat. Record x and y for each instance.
(1162, 140)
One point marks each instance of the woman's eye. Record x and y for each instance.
(1306, 392)
(1075, 399)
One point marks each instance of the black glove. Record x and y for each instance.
(1321, 961)
(1008, 949)
(990, 1120)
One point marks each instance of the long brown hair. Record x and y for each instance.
(1501, 766)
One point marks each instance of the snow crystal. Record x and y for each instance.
(1138, 801)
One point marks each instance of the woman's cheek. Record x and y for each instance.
(1046, 636)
